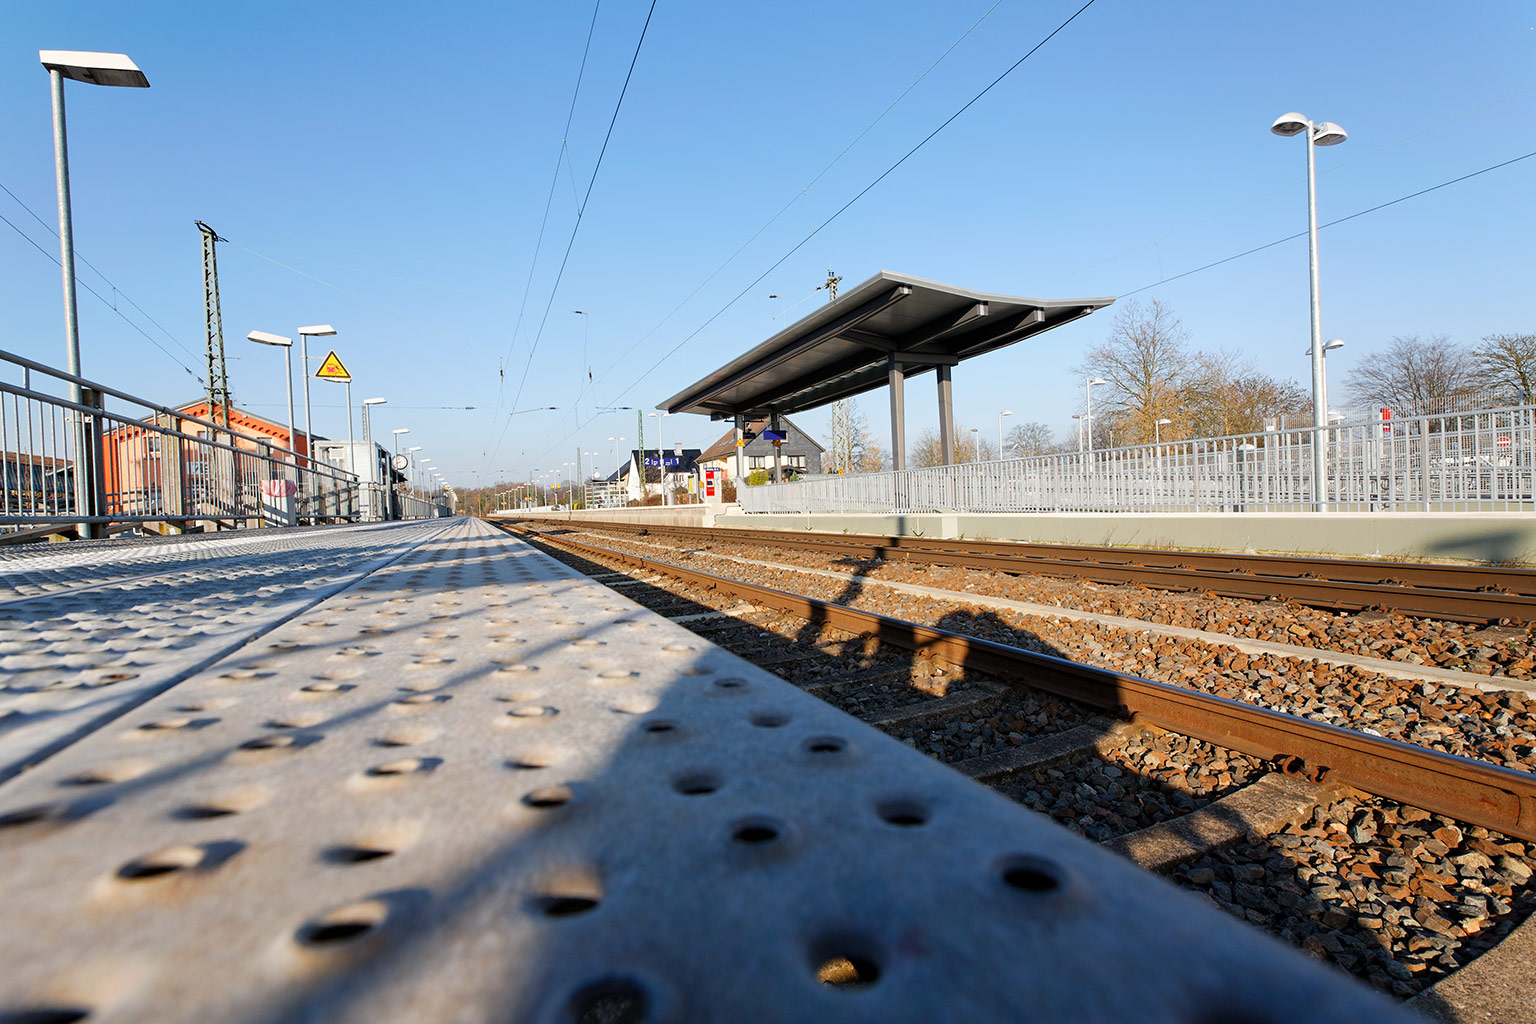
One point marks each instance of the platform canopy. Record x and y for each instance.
(891, 323)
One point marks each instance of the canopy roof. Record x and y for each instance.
(843, 349)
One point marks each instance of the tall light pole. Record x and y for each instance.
(1324, 134)
(410, 453)
(586, 486)
(113, 69)
(1005, 412)
(661, 452)
(373, 458)
(1157, 430)
(1088, 411)
(305, 333)
(278, 341)
(618, 467)
(1079, 417)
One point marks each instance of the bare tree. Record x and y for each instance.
(1413, 377)
(1026, 440)
(1505, 364)
(1223, 394)
(970, 446)
(852, 447)
(1143, 359)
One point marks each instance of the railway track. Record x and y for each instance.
(1455, 592)
(1243, 804)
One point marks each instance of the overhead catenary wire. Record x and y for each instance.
(576, 227)
(839, 212)
(802, 192)
(105, 302)
(1283, 188)
(1329, 224)
(562, 154)
(857, 196)
(117, 292)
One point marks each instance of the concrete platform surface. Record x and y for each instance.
(470, 785)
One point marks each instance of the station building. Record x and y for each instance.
(799, 453)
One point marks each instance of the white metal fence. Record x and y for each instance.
(74, 451)
(1475, 461)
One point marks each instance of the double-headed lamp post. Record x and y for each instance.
(1088, 411)
(1325, 133)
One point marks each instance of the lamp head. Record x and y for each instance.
(401, 430)
(1097, 380)
(1328, 134)
(317, 330)
(1329, 346)
(263, 338)
(373, 401)
(1289, 124)
(1164, 423)
(95, 68)
(1006, 412)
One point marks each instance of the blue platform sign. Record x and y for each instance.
(774, 435)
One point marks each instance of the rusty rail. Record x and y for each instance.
(1456, 592)
(1476, 792)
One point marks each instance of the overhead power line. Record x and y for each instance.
(105, 302)
(561, 154)
(1329, 224)
(862, 192)
(803, 191)
(581, 210)
(857, 196)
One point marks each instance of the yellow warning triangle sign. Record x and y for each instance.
(331, 368)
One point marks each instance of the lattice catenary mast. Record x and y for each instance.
(218, 376)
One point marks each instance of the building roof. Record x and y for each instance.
(727, 443)
(842, 349)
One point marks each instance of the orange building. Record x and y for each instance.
(144, 478)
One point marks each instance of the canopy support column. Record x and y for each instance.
(946, 416)
(896, 378)
(741, 461)
(778, 455)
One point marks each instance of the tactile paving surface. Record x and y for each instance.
(88, 632)
(475, 787)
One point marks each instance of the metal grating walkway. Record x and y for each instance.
(473, 786)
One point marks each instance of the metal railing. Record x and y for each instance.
(1468, 462)
(75, 451)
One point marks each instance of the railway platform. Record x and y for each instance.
(423, 771)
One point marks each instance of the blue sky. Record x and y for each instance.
(402, 154)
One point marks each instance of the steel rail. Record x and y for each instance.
(1458, 593)
(1476, 792)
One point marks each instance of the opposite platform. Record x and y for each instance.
(474, 786)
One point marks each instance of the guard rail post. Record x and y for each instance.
(89, 468)
(1424, 461)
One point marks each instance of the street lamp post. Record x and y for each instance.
(111, 69)
(305, 333)
(1005, 412)
(975, 444)
(1325, 133)
(410, 481)
(373, 458)
(1157, 430)
(1088, 411)
(661, 453)
(278, 341)
(618, 467)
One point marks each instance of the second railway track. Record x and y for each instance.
(1457, 592)
(1366, 851)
